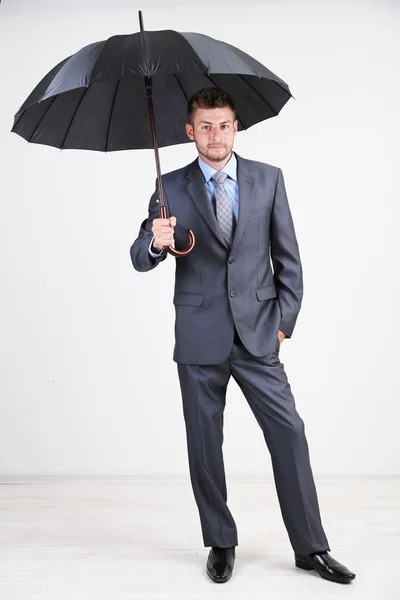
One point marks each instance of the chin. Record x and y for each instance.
(218, 155)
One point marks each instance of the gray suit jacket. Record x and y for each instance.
(217, 289)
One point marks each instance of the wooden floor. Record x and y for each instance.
(124, 541)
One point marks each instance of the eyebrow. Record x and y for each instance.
(209, 122)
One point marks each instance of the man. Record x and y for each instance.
(232, 313)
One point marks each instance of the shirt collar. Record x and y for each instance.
(230, 168)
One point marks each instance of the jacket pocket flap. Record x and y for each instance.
(183, 299)
(267, 292)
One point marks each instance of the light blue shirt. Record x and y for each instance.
(231, 186)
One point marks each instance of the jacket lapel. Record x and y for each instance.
(246, 198)
(198, 194)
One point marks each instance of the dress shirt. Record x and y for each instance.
(231, 186)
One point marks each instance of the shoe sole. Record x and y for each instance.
(300, 564)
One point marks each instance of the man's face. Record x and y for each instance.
(213, 131)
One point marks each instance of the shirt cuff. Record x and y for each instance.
(153, 254)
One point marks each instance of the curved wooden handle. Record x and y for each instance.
(191, 236)
(187, 250)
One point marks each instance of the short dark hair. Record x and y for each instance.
(211, 97)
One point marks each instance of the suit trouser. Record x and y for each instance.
(264, 384)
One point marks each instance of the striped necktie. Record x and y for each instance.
(223, 207)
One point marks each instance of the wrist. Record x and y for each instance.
(156, 249)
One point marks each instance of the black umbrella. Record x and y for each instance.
(101, 97)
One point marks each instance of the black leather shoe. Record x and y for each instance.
(325, 565)
(220, 564)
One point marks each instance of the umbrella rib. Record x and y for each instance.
(19, 118)
(261, 96)
(73, 116)
(237, 114)
(111, 110)
(283, 89)
(41, 119)
(181, 86)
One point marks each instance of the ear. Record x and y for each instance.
(235, 126)
(189, 131)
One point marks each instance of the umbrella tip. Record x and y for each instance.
(141, 21)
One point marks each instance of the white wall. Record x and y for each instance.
(88, 386)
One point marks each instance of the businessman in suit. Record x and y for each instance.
(233, 312)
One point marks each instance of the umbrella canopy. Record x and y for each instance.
(96, 99)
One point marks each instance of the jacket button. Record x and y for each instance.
(231, 260)
(233, 294)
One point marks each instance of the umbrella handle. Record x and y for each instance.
(191, 236)
(187, 250)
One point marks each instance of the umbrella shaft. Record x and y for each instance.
(149, 91)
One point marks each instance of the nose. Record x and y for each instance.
(216, 137)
